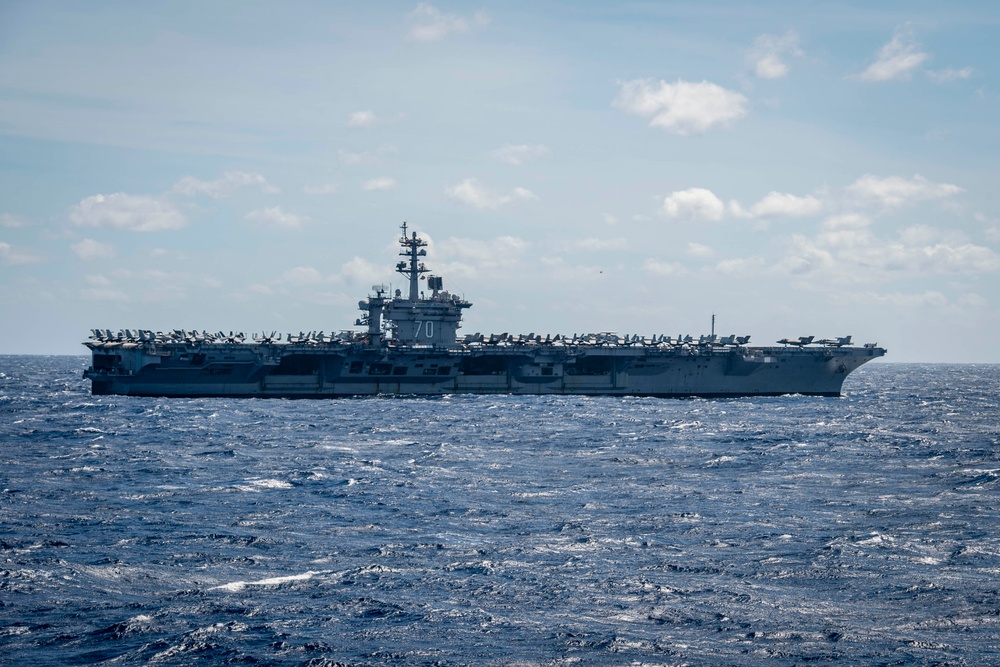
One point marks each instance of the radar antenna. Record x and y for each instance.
(412, 248)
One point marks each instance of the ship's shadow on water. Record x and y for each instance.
(500, 529)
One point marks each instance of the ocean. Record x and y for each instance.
(502, 530)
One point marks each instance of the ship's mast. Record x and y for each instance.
(425, 321)
(412, 248)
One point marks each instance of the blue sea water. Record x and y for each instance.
(502, 530)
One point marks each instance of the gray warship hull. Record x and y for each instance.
(290, 371)
(410, 346)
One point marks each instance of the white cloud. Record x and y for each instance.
(965, 259)
(658, 268)
(383, 183)
(465, 258)
(154, 285)
(847, 221)
(517, 155)
(896, 60)
(599, 244)
(276, 217)
(895, 191)
(770, 52)
(779, 204)
(866, 192)
(694, 203)
(805, 257)
(301, 275)
(137, 213)
(472, 193)
(224, 186)
(11, 221)
(950, 74)
(362, 119)
(90, 250)
(846, 250)
(735, 209)
(13, 257)
(971, 300)
(843, 238)
(161, 292)
(430, 24)
(326, 189)
(698, 250)
(845, 247)
(748, 266)
(360, 271)
(903, 300)
(681, 108)
(915, 235)
(992, 230)
(101, 289)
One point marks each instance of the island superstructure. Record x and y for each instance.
(409, 345)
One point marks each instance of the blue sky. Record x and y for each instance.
(795, 168)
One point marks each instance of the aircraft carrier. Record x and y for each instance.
(408, 344)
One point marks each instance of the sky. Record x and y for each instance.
(791, 168)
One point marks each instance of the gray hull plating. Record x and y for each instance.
(258, 371)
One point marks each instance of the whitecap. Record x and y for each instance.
(258, 484)
(237, 586)
(877, 539)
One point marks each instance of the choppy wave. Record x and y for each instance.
(502, 530)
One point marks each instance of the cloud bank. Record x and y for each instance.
(135, 213)
(224, 186)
